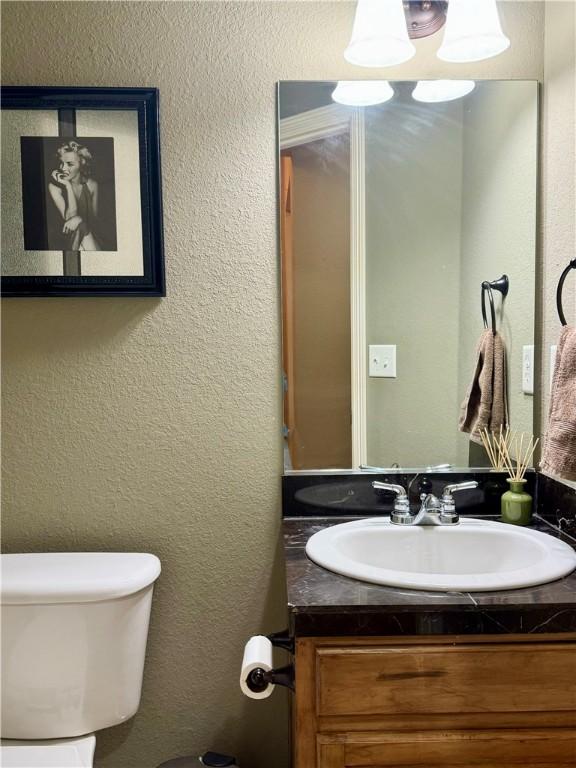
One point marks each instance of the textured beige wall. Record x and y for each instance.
(155, 425)
(558, 214)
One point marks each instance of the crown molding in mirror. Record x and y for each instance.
(313, 125)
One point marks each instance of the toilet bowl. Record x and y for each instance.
(74, 627)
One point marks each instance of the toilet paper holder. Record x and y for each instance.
(259, 679)
(282, 640)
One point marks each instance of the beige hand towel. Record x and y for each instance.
(499, 415)
(559, 454)
(485, 405)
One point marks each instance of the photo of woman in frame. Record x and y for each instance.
(81, 192)
(68, 194)
(75, 194)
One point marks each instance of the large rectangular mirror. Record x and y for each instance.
(398, 221)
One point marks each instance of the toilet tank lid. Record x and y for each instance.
(72, 577)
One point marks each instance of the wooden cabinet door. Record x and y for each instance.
(500, 748)
(445, 703)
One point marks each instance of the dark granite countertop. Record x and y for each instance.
(322, 603)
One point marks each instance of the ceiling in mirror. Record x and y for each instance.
(397, 222)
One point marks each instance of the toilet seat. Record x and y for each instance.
(53, 753)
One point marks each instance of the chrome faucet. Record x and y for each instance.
(433, 511)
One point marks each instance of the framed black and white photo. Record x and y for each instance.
(81, 192)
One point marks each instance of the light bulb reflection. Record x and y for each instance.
(362, 93)
(431, 91)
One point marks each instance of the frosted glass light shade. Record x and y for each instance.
(362, 93)
(379, 35)
(473, 31)
(431, 91)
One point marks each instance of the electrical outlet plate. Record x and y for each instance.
(382, 361)
(528, 369)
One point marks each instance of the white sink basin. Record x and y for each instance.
(473, 556)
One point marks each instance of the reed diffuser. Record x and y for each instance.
(516, 505)
(496, 445)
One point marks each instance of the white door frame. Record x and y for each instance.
(319, 124)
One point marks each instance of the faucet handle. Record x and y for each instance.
(450, 489)
(448, 513)
(399, 490)
(401, 513)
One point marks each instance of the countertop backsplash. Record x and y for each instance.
(351, 494)
(556, 503)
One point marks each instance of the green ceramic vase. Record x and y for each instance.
(516, 505)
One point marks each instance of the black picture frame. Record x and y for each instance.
(131, 242)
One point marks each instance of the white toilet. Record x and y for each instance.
(74, 628)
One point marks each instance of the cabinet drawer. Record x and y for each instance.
(481, 749)
(395, 680)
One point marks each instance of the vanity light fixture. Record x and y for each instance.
(362, 93)
(379, 35)
(382, 31)
(431, 91)
(473, 32)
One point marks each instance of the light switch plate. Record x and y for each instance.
(528, 369)
(382, 360)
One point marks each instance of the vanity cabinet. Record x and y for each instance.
(452, 701)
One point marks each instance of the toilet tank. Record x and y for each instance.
(73, 631)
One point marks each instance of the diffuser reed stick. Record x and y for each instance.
(496, 445)
(524, 450)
